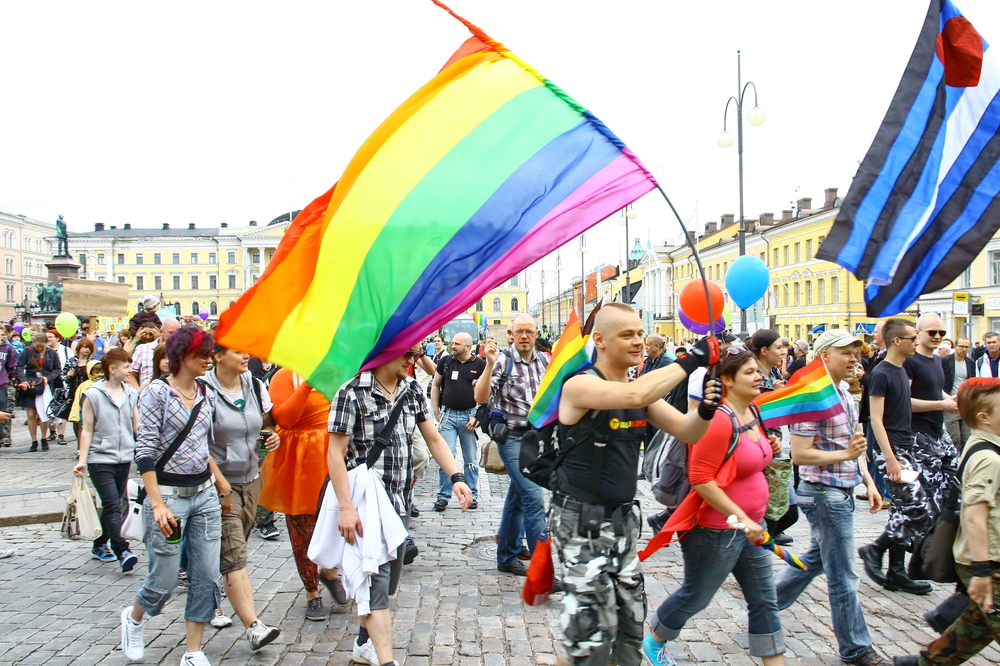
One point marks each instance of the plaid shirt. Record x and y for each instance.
(361, 411)
(522, 384)
(142, 361)
(162, 416)
(832, 434)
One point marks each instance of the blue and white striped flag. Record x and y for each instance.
(925, 199)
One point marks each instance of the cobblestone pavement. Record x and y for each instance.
(60, 606)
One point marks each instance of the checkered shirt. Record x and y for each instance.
(162, 416)
(521, 387)
(361, 410)
(142, 361)
(832, 434)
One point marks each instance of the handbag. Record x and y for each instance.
(777, 474)
(133, 527)
(80, 519)
(490, 459)
(933, 556)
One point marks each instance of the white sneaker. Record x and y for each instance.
(259, 635)
(195, 659)
(364, 654)
(133, 644)
(221, 620)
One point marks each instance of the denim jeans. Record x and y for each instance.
(830, 512)
(201, 523)
(110, 482)
(709, 556)
(452, 427)
(524, 507)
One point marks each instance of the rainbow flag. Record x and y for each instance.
(810, 395)
(480, 173)
(570, 354)
(479, 318)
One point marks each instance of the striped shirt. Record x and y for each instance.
(361, 410)
(519, 392)
(162, 416)
(832, 434)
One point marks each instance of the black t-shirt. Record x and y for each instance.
(893, 384)
(457, 379)
(927, 377)
(797, 364)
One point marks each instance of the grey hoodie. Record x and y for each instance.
(234, 443)
(113, 442)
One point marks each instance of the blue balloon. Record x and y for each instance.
(747, 280)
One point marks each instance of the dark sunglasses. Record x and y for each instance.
(911, 339)
(934, 333)
(410, 355)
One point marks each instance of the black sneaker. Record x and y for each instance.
(784, 540)
(336, 588)
(516, 567)
(269, 532)
(127, 561)
(441, 505)
(475, 504)
(411, 551)
(525, 554)
(315, 611)
(414, 512)
(45, 445)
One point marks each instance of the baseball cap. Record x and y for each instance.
(835, 337)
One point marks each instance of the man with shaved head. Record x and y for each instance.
(454, 402)
(595, 518)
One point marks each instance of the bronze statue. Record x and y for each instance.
(62, 238)
(49, 297)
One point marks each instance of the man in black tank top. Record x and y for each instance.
(595, 520)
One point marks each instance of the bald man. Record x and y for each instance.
(454, 401)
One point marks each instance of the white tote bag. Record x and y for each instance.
(80, 519)
(133, 528)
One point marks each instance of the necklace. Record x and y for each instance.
(389, 394)
(182, 394)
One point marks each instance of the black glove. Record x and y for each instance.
(703, 353)
(707, 407)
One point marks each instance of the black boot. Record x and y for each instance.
(947, 611)
(871, 558)
(34, 447)
(45, 445)
(907, 660)
(896, 579)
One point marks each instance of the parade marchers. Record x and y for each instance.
(195, 419)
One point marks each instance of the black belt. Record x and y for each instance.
(565, 501)
(514, 430)
(827, 485)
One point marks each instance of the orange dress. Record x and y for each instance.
(294, 474)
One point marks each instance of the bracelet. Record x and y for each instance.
(456, 477)
(982, 569)
(226, 495)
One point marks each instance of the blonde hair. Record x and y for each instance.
(38, 334)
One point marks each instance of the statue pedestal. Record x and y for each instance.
(61, 268)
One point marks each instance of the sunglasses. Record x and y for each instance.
(911, 339)
(410, 355)
(935, 334)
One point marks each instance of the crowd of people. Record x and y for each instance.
(222, 441)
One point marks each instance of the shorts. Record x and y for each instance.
(385, 583)
(238, 524)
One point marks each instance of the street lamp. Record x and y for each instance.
(559, 268)
(628, 213)
(755, 117)
(583, 279)
(541, 272)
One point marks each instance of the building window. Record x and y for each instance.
(211, 257)
(821, 291)
(121, 258)
(514, 305)
(232, 303)
(965, 279)
(513, 281)
(194, 308)
(809, 292)
(834, 290)
(231, 257)
(255, 257)
(194, 258)
(140, 283)
(100, 278)
(775, 264)
(232, 281)
(786, 255)
(100, 258)
(27, 243)
(479, 305)
(38, 246)
(176, 280)
(797, 295)
(10, 293)
(213, 308)
(157, 282)
(9, 267)
(798, 255)
(809, 249)
(156, 258)
(213, 282)
(176, 257)
(994, 267)
(194, 282)
(709, 273)
(496, 305)
(121, 280)
(82, 258)
(138, 258)
(786, 294)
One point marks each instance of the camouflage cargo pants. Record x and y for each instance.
(967, 635)
(916, 505)
(9, 407)
(604, 606)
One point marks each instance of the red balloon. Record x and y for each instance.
(694, 305)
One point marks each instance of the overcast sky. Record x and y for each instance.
(213, 112)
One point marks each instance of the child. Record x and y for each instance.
(145, 318)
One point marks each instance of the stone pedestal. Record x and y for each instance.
(61, 268)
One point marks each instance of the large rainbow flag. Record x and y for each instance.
(483, 171)
(570, 355)
(809, 396)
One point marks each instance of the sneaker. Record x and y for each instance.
(439, 505)
(221, 620)
(45, 445)
(195, 659)
(525, 554)
(411, 551)
(475, 504)
(4, 554)
(103, 553)
(269, 532)
(133, 644)
(516, 567)
(364, 654)
(657, 652)
(315, 611)
(128, 561)
(336, 588)
(182, 579)
(414, 512)
(259, 634)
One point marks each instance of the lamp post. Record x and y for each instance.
(541, 280)
(559, 268)
(583, 279)
(628, 213)
(755, 117)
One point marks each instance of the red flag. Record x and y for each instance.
(538, 581)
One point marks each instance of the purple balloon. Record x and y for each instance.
(18, 327)
(700, 329)
(203, 314)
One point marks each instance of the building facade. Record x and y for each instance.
(27, 246)
(502, 304)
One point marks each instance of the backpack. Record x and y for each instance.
(666, 464)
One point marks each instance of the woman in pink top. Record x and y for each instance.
(711, 550)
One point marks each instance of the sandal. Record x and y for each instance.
(62, 440)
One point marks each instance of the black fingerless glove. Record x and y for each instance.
(706, 408)
(703, 353)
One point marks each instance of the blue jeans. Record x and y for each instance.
(452, 427)
(830, 512)
(709, 556)
(523, 507)
(201, 524)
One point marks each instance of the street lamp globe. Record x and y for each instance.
(631, 213)
(622, 220)
(756, 116)
(725, 139)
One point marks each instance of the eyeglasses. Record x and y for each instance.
(911, 339)
(410, 355)
(935, 334)
(963, 346)
(522, 334)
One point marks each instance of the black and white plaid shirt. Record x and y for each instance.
(361, 410)
(162, 416)
(522, 385)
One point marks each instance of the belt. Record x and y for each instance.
(188, 491)
(515, 430)
(827, 485)
(565, 501)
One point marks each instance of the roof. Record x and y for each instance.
(146, 233)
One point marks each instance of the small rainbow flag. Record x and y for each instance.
(810, 395)
(479, 318)
(570, 355)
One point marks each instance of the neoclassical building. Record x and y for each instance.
(27, 245)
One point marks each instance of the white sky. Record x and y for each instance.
(212, 112)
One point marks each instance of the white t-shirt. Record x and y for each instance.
(696, 381)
